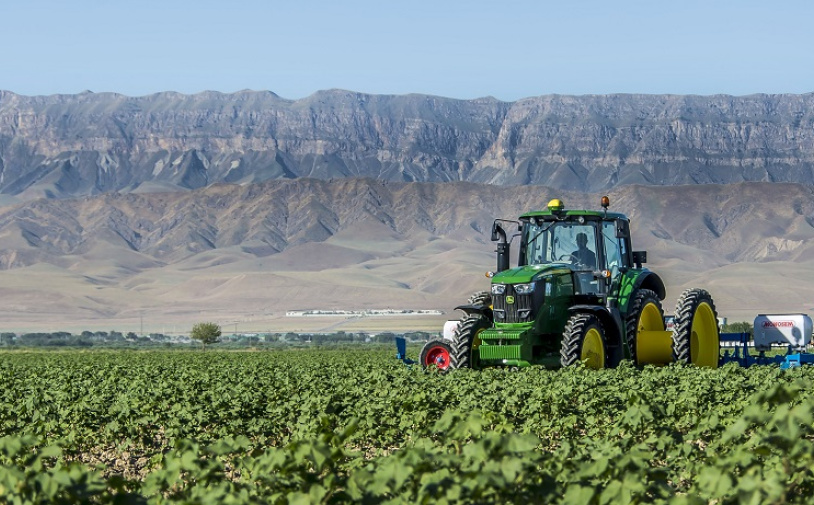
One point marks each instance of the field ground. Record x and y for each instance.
(354, 426)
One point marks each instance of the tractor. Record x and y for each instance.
(579, 294)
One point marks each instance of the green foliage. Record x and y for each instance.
(738, 327)
(353, 426)
(206, 333)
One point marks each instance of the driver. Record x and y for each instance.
(583, 255)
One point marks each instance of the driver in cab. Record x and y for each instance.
(583, 255)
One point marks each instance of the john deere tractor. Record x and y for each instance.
(579, 293)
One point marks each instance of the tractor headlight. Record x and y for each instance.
(498, 289)
(524, 289)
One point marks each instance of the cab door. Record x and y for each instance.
(617, 257)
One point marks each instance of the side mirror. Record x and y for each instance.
(497, 232)
(639, 257)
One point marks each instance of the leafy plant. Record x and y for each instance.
(353, 426)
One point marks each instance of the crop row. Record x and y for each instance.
(355, 426)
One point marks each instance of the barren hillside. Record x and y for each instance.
(244, 254)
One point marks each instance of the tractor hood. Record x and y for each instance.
(529, 273)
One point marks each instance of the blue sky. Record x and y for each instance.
(458, 49)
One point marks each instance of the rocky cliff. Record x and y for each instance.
(90, 143)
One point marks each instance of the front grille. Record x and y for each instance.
(522, 310)
(493, 335)
(500, 352)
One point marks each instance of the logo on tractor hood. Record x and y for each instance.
(510, 300)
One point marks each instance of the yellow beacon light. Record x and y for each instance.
(556, 205)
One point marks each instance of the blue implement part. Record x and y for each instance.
(796, 360)
(401, 351)
(741, 340)
(740, 354)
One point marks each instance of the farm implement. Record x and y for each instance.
(578, 293)
(789, 331)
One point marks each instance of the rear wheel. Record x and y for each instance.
(436, 353)
(584, 341)
(695, 337)
(646, 314)
(466, 340)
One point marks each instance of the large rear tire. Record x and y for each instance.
(695, 337)
(645, 313)
(436, 353)
(466, 340)
(584, 341)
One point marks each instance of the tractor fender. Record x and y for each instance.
(650, 280)
(611, 320)
(482, 310)
(633, 281)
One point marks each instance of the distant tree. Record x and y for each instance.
(131, 336)
(739, 327)
(207, 333)
(417, 336)
(384, 338)
(7, 338)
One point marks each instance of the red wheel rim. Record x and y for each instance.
(437, 356)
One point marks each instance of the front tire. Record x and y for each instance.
(584, 341)
(436, 353)
(695, 338)
(466, 340)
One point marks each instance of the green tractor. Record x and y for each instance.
(579, 293)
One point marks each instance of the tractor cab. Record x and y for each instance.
(593, 245)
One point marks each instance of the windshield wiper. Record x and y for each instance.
(541, 232)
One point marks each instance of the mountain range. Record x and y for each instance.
(172, 209)
(91, 143)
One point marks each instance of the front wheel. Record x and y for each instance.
(466, 340)
(436, 353)
(584, 341)
(695, 337)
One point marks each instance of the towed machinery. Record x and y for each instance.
(771, 332)
(578, 293)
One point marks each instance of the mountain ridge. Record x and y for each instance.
(63, 146)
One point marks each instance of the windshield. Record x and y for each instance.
(561, 242)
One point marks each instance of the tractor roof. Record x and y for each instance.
(556, 210)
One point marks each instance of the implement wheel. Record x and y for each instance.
(436, 353)
(695, 337)
(646, 316)
(584, 341)
(466, 340)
